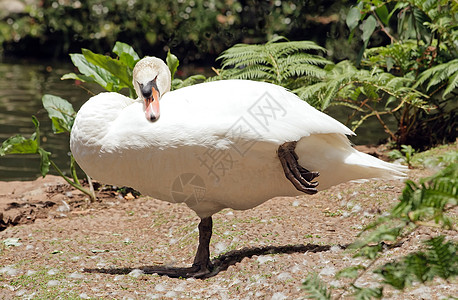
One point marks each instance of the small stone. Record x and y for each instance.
(136, 273)
(76, 275)
(278, 296)
(64, 207)
(284, 276)
(53, 272)
(264, 259)
(53, 283)
(12, 242)
(160, 287)
(328, 271)
(9, 271)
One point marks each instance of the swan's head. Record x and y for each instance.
(151, 80)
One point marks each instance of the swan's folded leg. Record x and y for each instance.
(299, 176)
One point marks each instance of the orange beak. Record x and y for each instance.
(152, 106)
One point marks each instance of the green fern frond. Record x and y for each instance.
(276, 61)
(442, 257)
(446, 72)
(430, 198)
(316, 289)
(417, 264)
(367, 293)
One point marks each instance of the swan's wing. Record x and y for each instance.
(219, 111)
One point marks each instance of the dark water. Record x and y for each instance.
(23, 84)
(21, 88)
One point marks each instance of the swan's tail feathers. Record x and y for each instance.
(374, 168)
(333, 157)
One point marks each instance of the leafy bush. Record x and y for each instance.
(192, 29)
(422, 49)
(413, 79)
(62, 115)
(428, 203)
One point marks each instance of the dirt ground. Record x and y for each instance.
(54, 244)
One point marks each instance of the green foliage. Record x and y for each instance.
(20, 145)
(423, 50)
(367, 293)
(349, 272)
(194, 29)
(173, 63)
(316, 289)
(443, 74)
(428, 203)
(439, 260)
(112, 74)
(283, 63)
(406, 154)
(62, 115)
(115, 74)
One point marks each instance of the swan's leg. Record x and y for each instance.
(299, 176)
(202, 264)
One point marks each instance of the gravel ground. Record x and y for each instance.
(62, 247)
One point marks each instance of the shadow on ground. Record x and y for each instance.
(221, 263)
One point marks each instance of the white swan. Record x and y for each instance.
(215, 145)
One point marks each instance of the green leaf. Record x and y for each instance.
(191, 80)
(369, 252)
(389, 63)
(172, 63)
(395, 274)
(349, 272)
(80, 77)
(382, 13)
(417, 263)
(126, 54)
(117, 68)
(353, 17)
(442, 257)
(60, 111)
(368, 293)
(368, 28)
(19, 145)
(45, 162)
(316, 289)
(98, 75)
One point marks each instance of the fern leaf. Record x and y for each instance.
(440, 73)
(395, 274)
(316, 289)
(452, 84)
(349, 272)
(367, 293)
(442, 257)
(276, 62)
(417, 264)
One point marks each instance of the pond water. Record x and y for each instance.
(23, 84)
